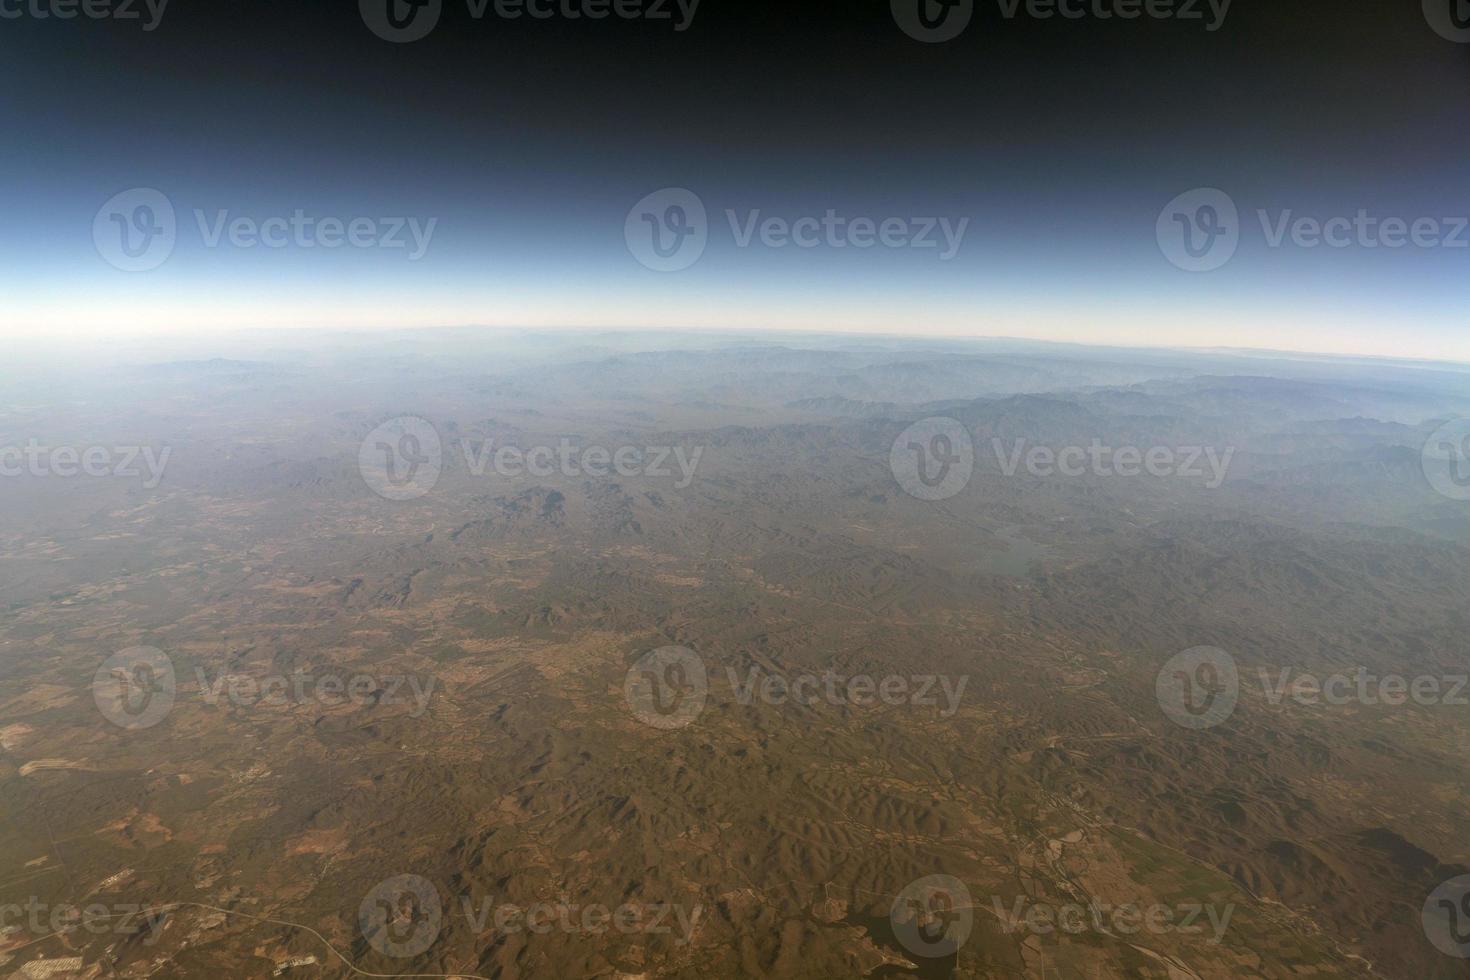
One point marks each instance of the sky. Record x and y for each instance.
(820, 165)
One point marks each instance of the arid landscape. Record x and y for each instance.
(716, 657)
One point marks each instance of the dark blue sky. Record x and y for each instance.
(526, 143)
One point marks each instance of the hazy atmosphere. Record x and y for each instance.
(1023, 169)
